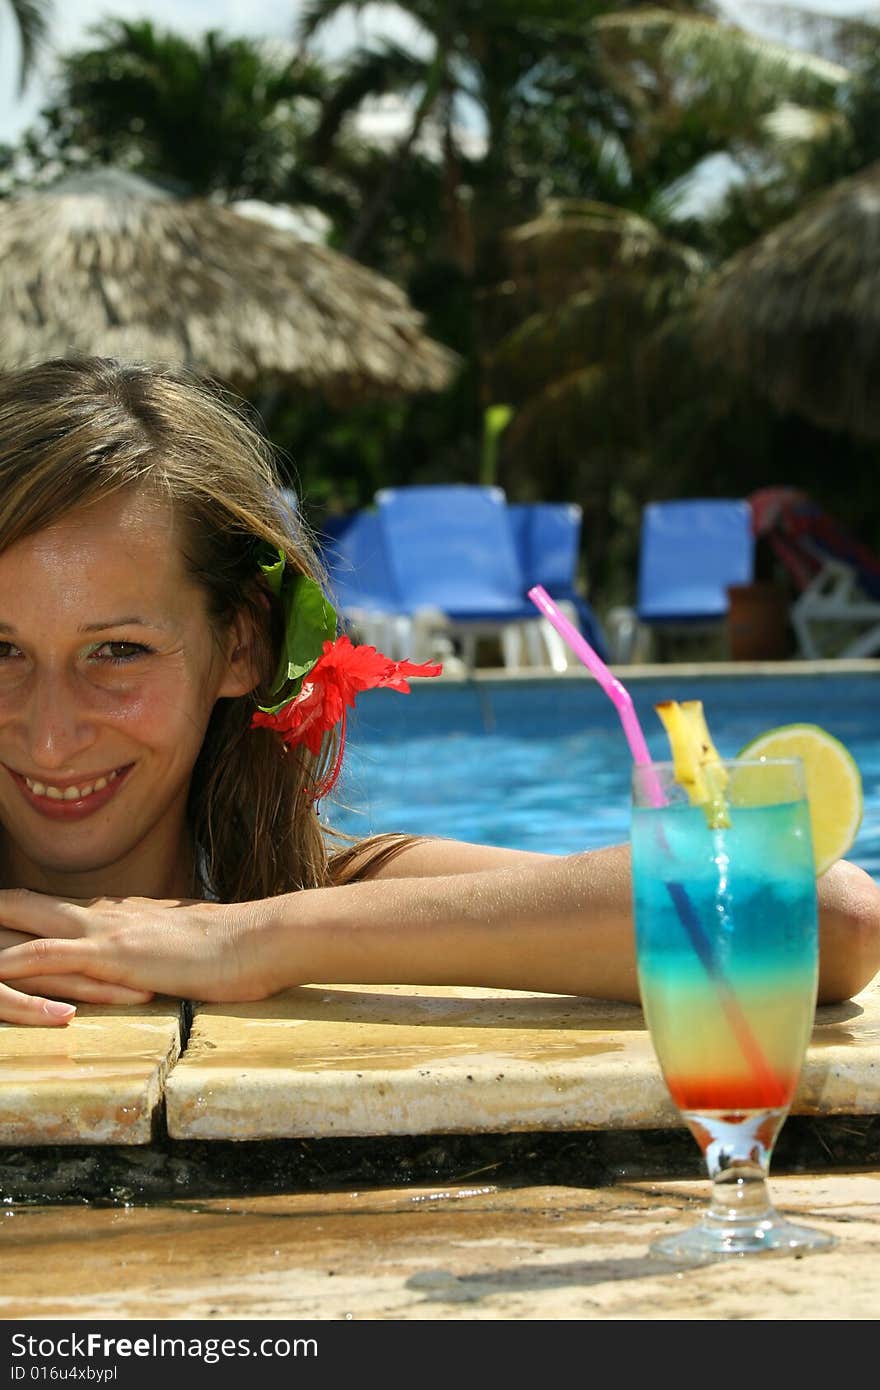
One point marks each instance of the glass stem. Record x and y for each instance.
(740, 1195)
(737, 1151)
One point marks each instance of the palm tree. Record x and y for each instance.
(31, 18)
(206, 116)
(659, 88)
(810, 147)
(482, 50)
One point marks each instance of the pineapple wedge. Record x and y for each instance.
(696, 761)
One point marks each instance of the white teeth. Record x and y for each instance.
(70, 793)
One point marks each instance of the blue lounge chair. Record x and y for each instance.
(451, 548)
(689, 553)
(362, 586)
(548, 541)
(354, 553)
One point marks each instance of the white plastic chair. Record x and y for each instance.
(834, 607)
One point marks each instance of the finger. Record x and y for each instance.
(41, 915)
(47, 956)
(33, 1009)
(85, 990)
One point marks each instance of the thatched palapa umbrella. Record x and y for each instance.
(798, 312)
(111, 264)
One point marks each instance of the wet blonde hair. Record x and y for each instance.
(75, 430)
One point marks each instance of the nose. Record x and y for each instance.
(58, 728)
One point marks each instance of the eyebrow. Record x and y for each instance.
(131, 621)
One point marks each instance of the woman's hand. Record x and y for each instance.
(27, 1003)
(123, 950)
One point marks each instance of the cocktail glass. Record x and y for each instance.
(727, 946)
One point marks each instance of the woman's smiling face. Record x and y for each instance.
(109, 671)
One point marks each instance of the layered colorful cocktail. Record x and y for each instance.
(727, 944)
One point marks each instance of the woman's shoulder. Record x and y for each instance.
(423, 856)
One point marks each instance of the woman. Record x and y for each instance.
(158, 822)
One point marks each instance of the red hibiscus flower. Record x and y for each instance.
(333, 683)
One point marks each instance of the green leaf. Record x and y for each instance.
(274, 570)
(311, 621)
(496, 418)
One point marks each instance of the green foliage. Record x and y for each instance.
(32, 19)
(310, 621)
(806, 147)
(217, 115)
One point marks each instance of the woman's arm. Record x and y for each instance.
(465, 915)
(445, 912)
(849, 907)
(849, 931)
(517, 926)
(568, 926)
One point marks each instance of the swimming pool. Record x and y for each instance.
(543, 764)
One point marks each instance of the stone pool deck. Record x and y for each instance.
(469, 1251)
(351, 1061)
(319, 1067)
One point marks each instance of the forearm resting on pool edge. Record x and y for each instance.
(560, 924)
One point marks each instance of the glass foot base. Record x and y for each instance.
(721, 1240)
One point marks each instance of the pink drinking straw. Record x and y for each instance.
(622, 701)
(617, 693)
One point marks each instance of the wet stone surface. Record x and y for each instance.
(124, 1176)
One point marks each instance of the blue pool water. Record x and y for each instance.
(544, 764)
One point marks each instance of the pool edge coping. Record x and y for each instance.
(691, 670)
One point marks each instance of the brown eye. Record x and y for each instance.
(120, 653)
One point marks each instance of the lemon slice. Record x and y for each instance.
(834, 784)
